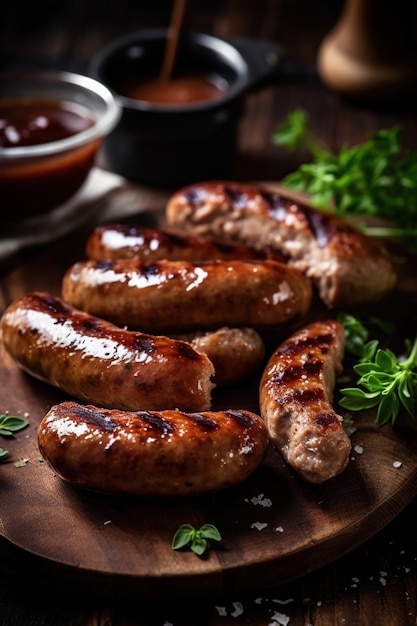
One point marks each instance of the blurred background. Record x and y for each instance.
(66, 34)
(46, 25)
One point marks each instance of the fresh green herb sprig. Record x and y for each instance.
(357, 338)
(377, 178)
(388, 382)
(10, 424)
(197, 540)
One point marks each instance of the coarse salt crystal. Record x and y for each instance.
(259, 525)
(349, 424)
(238, 606)
(279, 618)
(261, 500)
(221, 610)
(397, 464)
(358, 449)
(283, 601)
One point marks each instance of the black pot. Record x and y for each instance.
(167, 145)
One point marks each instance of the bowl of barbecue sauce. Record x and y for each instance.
(184, 128)
(51, 127)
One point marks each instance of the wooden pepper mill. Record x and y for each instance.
(371, 51)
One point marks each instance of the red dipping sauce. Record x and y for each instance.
(31, 184)
(30, 122)
(178, 90)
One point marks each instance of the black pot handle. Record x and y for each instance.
(263, 59)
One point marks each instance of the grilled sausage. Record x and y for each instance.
(346, 266)
(150, 453)
(124, 241)
(94, 361)
(177, 296)
(236, 353)
(295, 401)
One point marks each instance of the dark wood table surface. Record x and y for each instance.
(375, 584)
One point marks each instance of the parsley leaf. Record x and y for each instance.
(377, 178)
(385, 380)
(357, 335)
(198, 540)
(9, 424)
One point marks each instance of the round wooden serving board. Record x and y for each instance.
(274, 527)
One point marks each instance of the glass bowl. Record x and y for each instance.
(51, 127)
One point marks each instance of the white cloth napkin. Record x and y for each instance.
(91, 201)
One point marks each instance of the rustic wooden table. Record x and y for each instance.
(374, 584)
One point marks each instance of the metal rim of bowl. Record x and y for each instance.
(203, 39)
(101, 127)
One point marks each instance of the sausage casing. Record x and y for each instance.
(346, 266)
(129, 241)
(236, 353)
(177, 296)
(150, 453)
(295, 401)
(94, 361)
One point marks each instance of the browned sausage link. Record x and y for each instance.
(236, 353)
(295, 399)
(124, 241)
(151, 453)
(177, 296)
(94, 361)
(346, 266)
